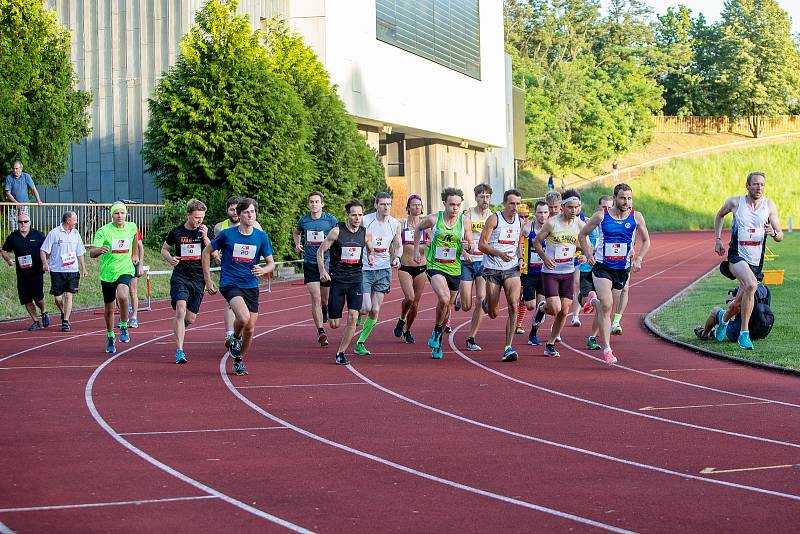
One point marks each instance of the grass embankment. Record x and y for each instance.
(679, 318)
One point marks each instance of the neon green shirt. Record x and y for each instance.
(444, 252)
(120, 242)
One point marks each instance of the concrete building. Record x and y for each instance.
(427, 81)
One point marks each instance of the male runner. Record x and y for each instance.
(377, 279)
(586, 292)
(347, 242)
(755, 217)
(410, 273)
(186, 285)
(117, 244)
(451, 234)
(61, 254)
(611, 259)
(241, 248)
(524, 215)
(26, 243)
(532, 289)
(500, 244)
(311, 231)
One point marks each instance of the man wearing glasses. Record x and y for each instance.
(25, 243)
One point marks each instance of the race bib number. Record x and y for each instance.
(68, 259)
(25, 262)
(351, 255)
(752, 237)
(380, 243)
(563, 253)
(535, 260)
(508, 236)
(190, 251)
(408, 236)
(244, 253)
(615, 251)
(315, 237)
(120, 246)
(445, 254)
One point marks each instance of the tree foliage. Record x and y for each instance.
(41, 110)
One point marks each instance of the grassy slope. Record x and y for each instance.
(780, 348)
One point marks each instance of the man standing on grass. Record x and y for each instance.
(26, 243)
(16, 190)
(755, 217)
(242, 248)
(62, 252)
(117, 244)
(186, 285)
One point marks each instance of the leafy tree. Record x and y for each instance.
(41, 111)
(676, 42)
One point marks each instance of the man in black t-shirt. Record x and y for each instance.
(25, 244)
(186, 286)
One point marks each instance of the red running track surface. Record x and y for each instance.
(665, 441)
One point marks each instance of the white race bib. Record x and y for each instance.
(380, 243)
(509, 236)
(563, 253)
(408, 236)
(445, 254)
(68, 259)
(615, 251)
(535, 260)
(314, 237)
(752, 237)
(25, 262)
(190, 251)
(120, 246)
(244, 253)
(351, 255)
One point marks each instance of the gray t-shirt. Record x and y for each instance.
(19, 186)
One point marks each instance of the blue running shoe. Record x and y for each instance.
(510, 355)
(180, 356)
(123, 335)
(134, 322)
(111, 348)
(722, 328)
(435, 339)
(534, 340)
(436, 353)
(744, 341)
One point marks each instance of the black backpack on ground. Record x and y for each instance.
(762, 318)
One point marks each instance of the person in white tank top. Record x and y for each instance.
(755, 217)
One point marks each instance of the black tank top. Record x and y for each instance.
(346, 253)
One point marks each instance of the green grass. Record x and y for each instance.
(679, 318)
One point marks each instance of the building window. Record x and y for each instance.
(444, 31)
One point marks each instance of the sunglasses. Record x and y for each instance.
(23, 222)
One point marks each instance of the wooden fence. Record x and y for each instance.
(771, 125)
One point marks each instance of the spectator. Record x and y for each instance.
(25, 243)
(550, 182)
(761, 320)
(16, 189)
(615, 169)
(563, 184)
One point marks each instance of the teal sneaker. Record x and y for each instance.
(744, 341)
(436, 352)
(180, 356)
(111, 347)
(361, 350)
(722, 328)
(435, 340)
(124, 337)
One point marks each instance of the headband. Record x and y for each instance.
(118, 205)
(570, 199)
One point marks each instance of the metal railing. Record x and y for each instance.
(91, 216)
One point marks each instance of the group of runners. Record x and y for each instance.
(544, 265)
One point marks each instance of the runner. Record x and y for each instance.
(755, 218)
(451, 234)
(586, 293)
(377, 279)
(500, 243)
(471, 271)
(410, 273)
(347, 242)
(62, 252)
(26, 244)
(241, 247)
(532, 289)
(553, 199)
(133, 303)
(524, 213)
(116, 243)
(186, 285)
(561, 234)
(311, 231)
(611, 259)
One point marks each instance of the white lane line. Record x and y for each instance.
(200, 431)
(4, 529)
(699, 369)
(671, 267)
(714, 471)
(303, 385)
(49, 367)
(650, 408)
(101, 504)
(568, 447)
(608, 406)
(406, 469)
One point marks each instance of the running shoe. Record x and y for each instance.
(587, 304)
(592, 344)
(398, 329)
(124, 337)
(448, 327)
(520, 329)
(510, 355)
(34, 326)
(408, 337)
(698, 331)
(575, 321)
(45, 319)
(722, 328)
(361, 350)
(744, 341)
(457, 304)
(236, 347)
(239, 367)
(558, 339)
(471, 345)
(110, 345)
(534, 340)
(180, 356)
(322, 339)
(550, 351)
(485, 305)
(539, 316)
(65, 326)
(130, 310)
(228, 340)
(134, 322)
(436, 352)
(341, 359)
(435, 339)
(609, 357)
(616, 329)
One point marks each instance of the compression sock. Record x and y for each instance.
(369, 324)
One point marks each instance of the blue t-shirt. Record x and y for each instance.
(240, 253)
(585, 267)
(19, 186)
(313, 233)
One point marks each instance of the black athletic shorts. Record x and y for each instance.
(249, 294)
(618, 277)
(186, 289)
(531, 286)
(732, 258)
(340, 293)
(414, 271)
(311, 275)
(110, 288)
(452, 281)
(61, 283)
(30, 288)
(587, 285)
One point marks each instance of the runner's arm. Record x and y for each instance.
(423, 225)
(298, 246)
(166, 253)
(370, 253)
(466, 224)
(583, 237)
(774, 223)
(644, 236)
(333, 235)
(483, 242)
(266, 269)
(730, 205)
(7, 258)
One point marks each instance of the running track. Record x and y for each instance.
(397, 441)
